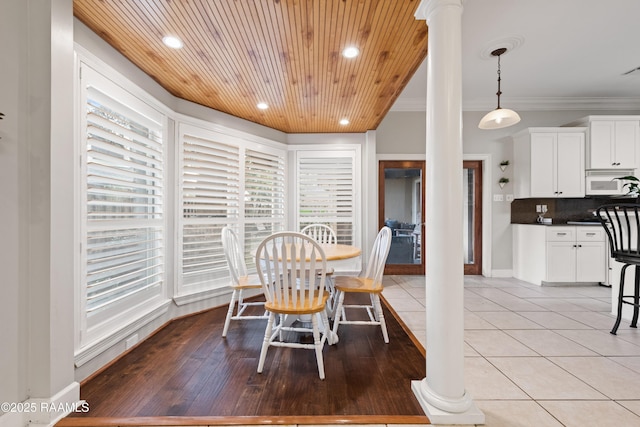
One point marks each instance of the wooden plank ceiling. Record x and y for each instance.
(286, 53)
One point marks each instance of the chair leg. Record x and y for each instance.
(318, 344)
(337, 312)
(232, 305)
(620, 295)
(383, 324)
(331, 302)
(636, 297)
(328, 333)
(266, 341)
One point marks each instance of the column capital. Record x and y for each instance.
(427, 7)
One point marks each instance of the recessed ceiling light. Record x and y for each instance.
(262, 105)
(172, 41)
(344, 122)
(351, 52)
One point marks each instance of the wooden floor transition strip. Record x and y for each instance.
(242, 421)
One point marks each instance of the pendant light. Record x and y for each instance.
(500, 117)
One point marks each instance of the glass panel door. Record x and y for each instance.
(401, 208)
(472, 217)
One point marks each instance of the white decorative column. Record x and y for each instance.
(442, 393)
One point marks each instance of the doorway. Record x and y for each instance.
(401, 208)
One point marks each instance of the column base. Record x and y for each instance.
(470, 415)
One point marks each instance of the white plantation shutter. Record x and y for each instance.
(224, 181)
(326, 191)
(210, 193)
(123, 201)
(264, 198)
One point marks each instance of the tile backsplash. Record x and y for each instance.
(523, 211)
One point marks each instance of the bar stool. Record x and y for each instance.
(621, 223)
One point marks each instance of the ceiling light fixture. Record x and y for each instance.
(344, 122)
(172, 42)
(350, 52)
(500, 117)
(262, 105)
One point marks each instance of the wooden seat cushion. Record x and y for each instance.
(357, 284)
(304, 305)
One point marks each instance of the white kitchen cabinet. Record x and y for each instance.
(576, 254)
(559, 254)
(549, 162)
(612, 141)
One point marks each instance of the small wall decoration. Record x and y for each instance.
(503, 165)
(503, 181)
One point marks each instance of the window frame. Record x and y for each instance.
(115, 89)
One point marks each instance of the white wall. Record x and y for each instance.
(13, 187)
(36, 362)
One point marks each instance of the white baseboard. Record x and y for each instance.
(45, 412)
(501, 273)
(53, 409)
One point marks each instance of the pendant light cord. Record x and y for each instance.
(499, 92)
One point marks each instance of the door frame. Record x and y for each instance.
(416, 269)
(487, 175)
(476, 267)
(487, 180)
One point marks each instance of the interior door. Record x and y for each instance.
(401, 208)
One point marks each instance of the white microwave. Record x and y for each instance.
(605, 183)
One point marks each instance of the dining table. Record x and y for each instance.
(335, 253)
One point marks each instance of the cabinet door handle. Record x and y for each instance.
(561, 234)
(591, 234)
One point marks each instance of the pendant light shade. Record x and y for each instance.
(500, 117)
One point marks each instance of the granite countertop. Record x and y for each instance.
(564, 223)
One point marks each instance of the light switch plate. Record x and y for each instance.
(498, 197)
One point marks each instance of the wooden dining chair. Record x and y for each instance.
(324, 234)
(240, 280)
(321, 233)
(291, 267)
(370, 283)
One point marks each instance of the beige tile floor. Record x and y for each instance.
(538, 356)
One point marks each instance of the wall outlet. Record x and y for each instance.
(539, 208)
(131, 341)
(509, 198)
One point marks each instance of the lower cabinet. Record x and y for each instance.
(559, 254)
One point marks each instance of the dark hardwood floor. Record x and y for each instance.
(187, 374)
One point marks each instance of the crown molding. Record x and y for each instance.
(530, 104)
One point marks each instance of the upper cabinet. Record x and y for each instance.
(549, 162)
(612, 141)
